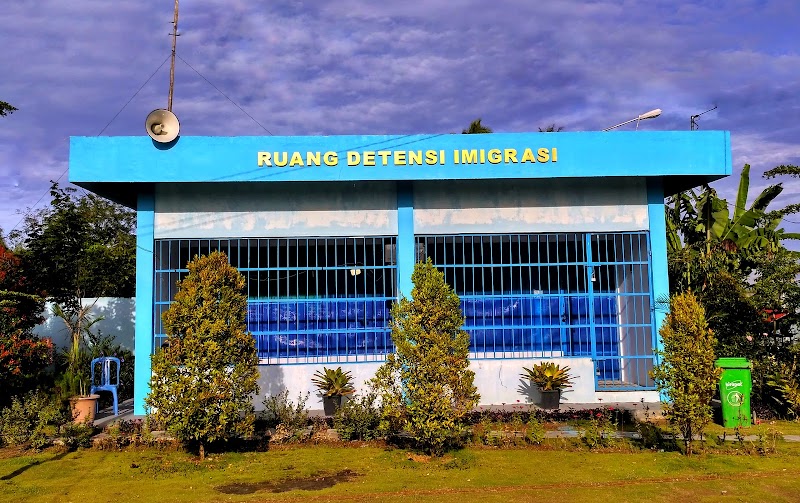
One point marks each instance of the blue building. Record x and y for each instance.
(554, 242)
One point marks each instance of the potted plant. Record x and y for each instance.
(334, 384)
(82, 404)
(551, 379)
(73, 382)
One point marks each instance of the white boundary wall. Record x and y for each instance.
(118, 320)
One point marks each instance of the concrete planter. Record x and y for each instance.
(330, 404)
(83, 408)
(551, 399)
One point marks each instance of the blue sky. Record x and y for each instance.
(350, 67)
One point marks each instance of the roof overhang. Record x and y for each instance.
(120, 167)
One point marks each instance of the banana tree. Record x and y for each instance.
(700, 224)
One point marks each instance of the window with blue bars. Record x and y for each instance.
(555, 295)
(309, 299)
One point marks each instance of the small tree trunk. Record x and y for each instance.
(688, 439)
(202, 452)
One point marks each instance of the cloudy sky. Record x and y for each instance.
(89, 67)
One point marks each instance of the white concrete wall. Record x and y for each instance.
(297, 379)
(498, 382)
(118, 320)
(275, 210)
(561, 205)
(369, 208)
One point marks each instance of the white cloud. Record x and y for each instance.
(394, 67)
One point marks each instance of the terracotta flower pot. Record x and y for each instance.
(83, 408)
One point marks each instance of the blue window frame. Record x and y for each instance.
(567, 295)
(555, 295)
(309, 299)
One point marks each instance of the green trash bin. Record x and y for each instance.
(734, 391)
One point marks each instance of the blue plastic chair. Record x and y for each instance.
(106, 384)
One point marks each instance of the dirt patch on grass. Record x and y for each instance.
(12, 452)
(314, 482)
(418, 458)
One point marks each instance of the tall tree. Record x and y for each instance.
(6, 109)
(785, 170)
(733, 259)
(476, 127)
(79, 246)
(24, 358)
(552, 128)
(704, 234)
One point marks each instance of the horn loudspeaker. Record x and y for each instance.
(162, 125)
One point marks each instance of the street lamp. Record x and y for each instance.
(652, 114)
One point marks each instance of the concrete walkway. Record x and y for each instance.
(106, 416)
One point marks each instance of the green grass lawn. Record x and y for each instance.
(356, 473)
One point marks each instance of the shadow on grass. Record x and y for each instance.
(23, 469)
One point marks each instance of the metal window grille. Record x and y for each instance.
(555, 295)
(309, 299)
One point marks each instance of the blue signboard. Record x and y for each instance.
(704, 154)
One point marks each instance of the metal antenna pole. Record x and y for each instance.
(693, 119)
(172, 65)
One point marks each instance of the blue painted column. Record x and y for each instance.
(658, 251)
(406, 256)
(143, 341)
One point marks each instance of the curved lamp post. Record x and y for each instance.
(652, 114)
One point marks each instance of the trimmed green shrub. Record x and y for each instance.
(204, 379)
(508, 431)
(358, 418)
(280, 410)
(425, 386)
(686, 375)
(76, 435)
